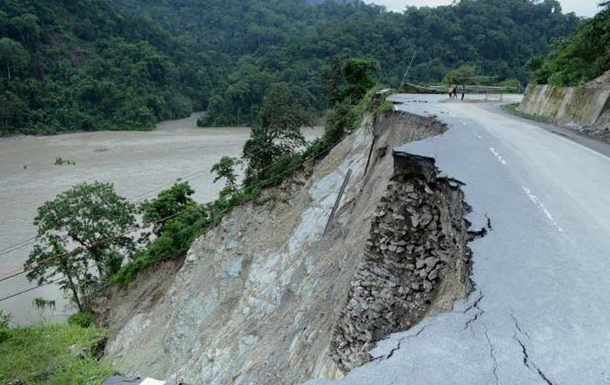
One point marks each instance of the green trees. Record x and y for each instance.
(177, 218)
(13, 57)
(167, 205)
(461, 75)
(126, 64)
(225, 169)
(278, 130)
(256, 44)
(578, 58)
(92, 218)
(84, 66)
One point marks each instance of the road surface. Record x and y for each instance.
(540, 312)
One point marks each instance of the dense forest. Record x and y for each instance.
(67, 65)
(580, 57)
(126, 64)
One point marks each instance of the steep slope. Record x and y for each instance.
(267, 297)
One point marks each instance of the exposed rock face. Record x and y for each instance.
(258, 298)
(417, 241)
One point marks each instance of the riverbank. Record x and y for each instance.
(138, 163)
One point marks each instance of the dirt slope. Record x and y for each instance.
(259, 298)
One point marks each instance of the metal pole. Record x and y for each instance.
(402, 82)
(336, 206)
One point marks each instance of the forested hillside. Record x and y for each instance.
(80, 65)
(256, 43)
(125, 64)
(580, 57)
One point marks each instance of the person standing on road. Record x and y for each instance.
(455, 91)
(450, 91)
(463, 91)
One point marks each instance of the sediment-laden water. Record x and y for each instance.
(138, 163)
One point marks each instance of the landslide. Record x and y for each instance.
(266, 297)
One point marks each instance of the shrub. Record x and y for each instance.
(83, 319)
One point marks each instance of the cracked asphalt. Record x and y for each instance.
(539, 313)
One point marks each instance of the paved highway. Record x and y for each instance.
(540, 312)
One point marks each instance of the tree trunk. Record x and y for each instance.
(8, 70)
(74, 290)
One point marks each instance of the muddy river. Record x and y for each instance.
(138, 163)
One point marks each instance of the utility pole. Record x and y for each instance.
(404, 77)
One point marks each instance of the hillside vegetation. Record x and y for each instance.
(256, 43)
(578, 58)
(126, 64)
(68, 65)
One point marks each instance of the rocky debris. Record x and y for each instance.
(257, 298)
(418, 239)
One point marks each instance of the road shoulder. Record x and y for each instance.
(576, 137)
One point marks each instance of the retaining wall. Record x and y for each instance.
(584, 109)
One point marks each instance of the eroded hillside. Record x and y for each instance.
(267, 297)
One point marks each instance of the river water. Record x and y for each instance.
(138, 163)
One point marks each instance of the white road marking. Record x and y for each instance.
(493, 151)
(476, 134)
(540, 205)
(464, 123)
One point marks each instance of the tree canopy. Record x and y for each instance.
(578, 58)
(126, 64)
(91, 220)
(277, 131)
(85, 65)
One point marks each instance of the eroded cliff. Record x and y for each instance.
(266, 298)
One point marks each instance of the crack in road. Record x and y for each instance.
(399, 345)
(527, 361)
(493, 356)
(480, 312)
(475, 304)
(518, 326)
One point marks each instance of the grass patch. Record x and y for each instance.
(384, 107)
(49, 354)
(513, 109)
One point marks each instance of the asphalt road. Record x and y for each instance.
(540, 312)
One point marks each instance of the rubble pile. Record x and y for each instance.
(418, 238)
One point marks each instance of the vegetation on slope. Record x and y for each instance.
(578, 58)
(68, 66)
(273, 153)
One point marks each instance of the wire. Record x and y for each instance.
(136, 199)
(17, 245)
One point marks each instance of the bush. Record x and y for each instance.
(83, 319)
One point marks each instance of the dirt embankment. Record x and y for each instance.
(267, 297)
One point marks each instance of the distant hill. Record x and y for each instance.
(126, 64)
(318, 2)
(256, 43)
